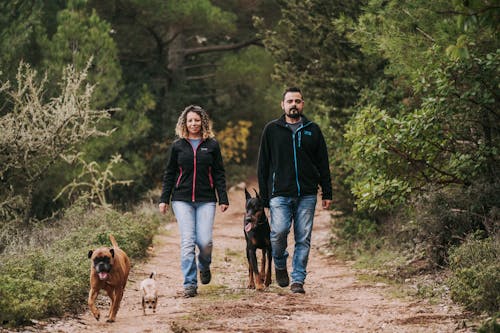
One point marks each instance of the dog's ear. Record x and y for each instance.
(112, 252)
(90, 254)
(247, 195)
(256, 193)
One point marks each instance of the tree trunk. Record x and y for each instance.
(28, 210)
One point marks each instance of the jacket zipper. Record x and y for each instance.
(193, 197)
(295, 154)
(295, 163)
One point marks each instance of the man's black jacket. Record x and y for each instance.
(293, 164)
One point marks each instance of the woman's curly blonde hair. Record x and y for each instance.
(206, 125)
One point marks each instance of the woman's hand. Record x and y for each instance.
(223, 208)
(163, 207)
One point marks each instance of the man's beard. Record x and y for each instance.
(294, 115)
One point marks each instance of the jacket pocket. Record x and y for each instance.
(274, 183)
(178, 178)
(210, 179)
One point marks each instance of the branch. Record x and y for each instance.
(455, 12)
(418, 29)
(453, 178)
(209, 64)
(219, 48)
(200, 77)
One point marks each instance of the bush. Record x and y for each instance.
(447, 217)
(50, 280)
(491, 325)
(354, 235)
(476, 274)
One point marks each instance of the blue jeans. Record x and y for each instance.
(300, 210)
(195, 221)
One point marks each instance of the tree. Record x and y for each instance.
(36, 132)
(440, 127)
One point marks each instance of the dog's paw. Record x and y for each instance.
(97, 316)
(251, 286)
(110, 320)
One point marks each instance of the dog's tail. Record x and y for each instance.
(153, 275)
(113, 241)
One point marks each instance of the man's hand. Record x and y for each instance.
(163, 207)
(223, 208)
(326, 204)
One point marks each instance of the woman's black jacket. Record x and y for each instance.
(194, 175)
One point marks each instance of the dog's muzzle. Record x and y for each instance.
(248, 224)
(102, 269)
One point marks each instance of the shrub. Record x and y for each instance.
(354, 235)
(476, 274)
(491, 325)
(445, 218)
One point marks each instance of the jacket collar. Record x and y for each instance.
(281, 120)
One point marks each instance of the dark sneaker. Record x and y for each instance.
(282, 277)
(190, 291)
(205, 277)
(297, 288)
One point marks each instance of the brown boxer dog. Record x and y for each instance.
(109, 271)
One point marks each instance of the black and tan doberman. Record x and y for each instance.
(257, 235)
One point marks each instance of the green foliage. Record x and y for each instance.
(241, 79)
(491, 325)
(446, 217)
(355, 235)
(52, 280)
(476, 274)
(197, 14)
(447, 140)
(355, 229)
(439, 129)
(312, 51)
(24, 26)
(78, 37)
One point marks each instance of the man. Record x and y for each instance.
(293, 161)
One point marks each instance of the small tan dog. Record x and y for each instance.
(109, 270)
(149, 293)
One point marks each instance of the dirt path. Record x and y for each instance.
(335, 300)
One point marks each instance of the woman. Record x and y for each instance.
(193, 175)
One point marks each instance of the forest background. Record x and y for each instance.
(406, 92)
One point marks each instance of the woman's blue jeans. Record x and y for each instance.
(195, 221)
(300, 210)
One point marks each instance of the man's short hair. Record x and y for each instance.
(292, 89)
